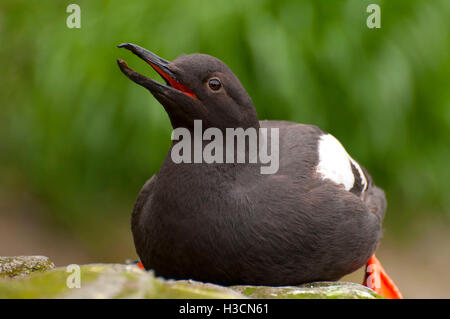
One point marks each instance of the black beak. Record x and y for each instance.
(159, 64)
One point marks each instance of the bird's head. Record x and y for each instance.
(198, 87)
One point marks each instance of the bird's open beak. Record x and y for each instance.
(159, 64)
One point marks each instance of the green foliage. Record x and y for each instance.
(80, 135)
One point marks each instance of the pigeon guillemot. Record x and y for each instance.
(319, 217)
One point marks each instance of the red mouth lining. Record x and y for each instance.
(172, 82)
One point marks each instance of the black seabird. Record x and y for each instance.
(319, 217)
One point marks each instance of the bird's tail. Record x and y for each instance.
(375, 200)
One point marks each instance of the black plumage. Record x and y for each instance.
(230, 224)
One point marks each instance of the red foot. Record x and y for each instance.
(378, 280)
(140, 265)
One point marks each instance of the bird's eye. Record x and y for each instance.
(214, 84)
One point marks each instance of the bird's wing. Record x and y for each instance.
(336, 165)
(316, 156)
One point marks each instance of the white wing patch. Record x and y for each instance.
(361, 174)
(335, 163)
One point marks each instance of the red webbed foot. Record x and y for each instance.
(378, 280)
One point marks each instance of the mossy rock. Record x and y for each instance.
(128, 281)
(108, 281)
(20, 266)
(316, 290)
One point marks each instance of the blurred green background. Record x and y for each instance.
(78, 139)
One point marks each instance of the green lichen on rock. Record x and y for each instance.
(194, 289)
(20, 266)
(109, 281)
(128, 281)
(49, 284)
(316, 290)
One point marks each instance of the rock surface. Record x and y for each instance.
(316, 290)
(128, 281)
(20, 266)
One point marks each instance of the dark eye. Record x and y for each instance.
(214, 84)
